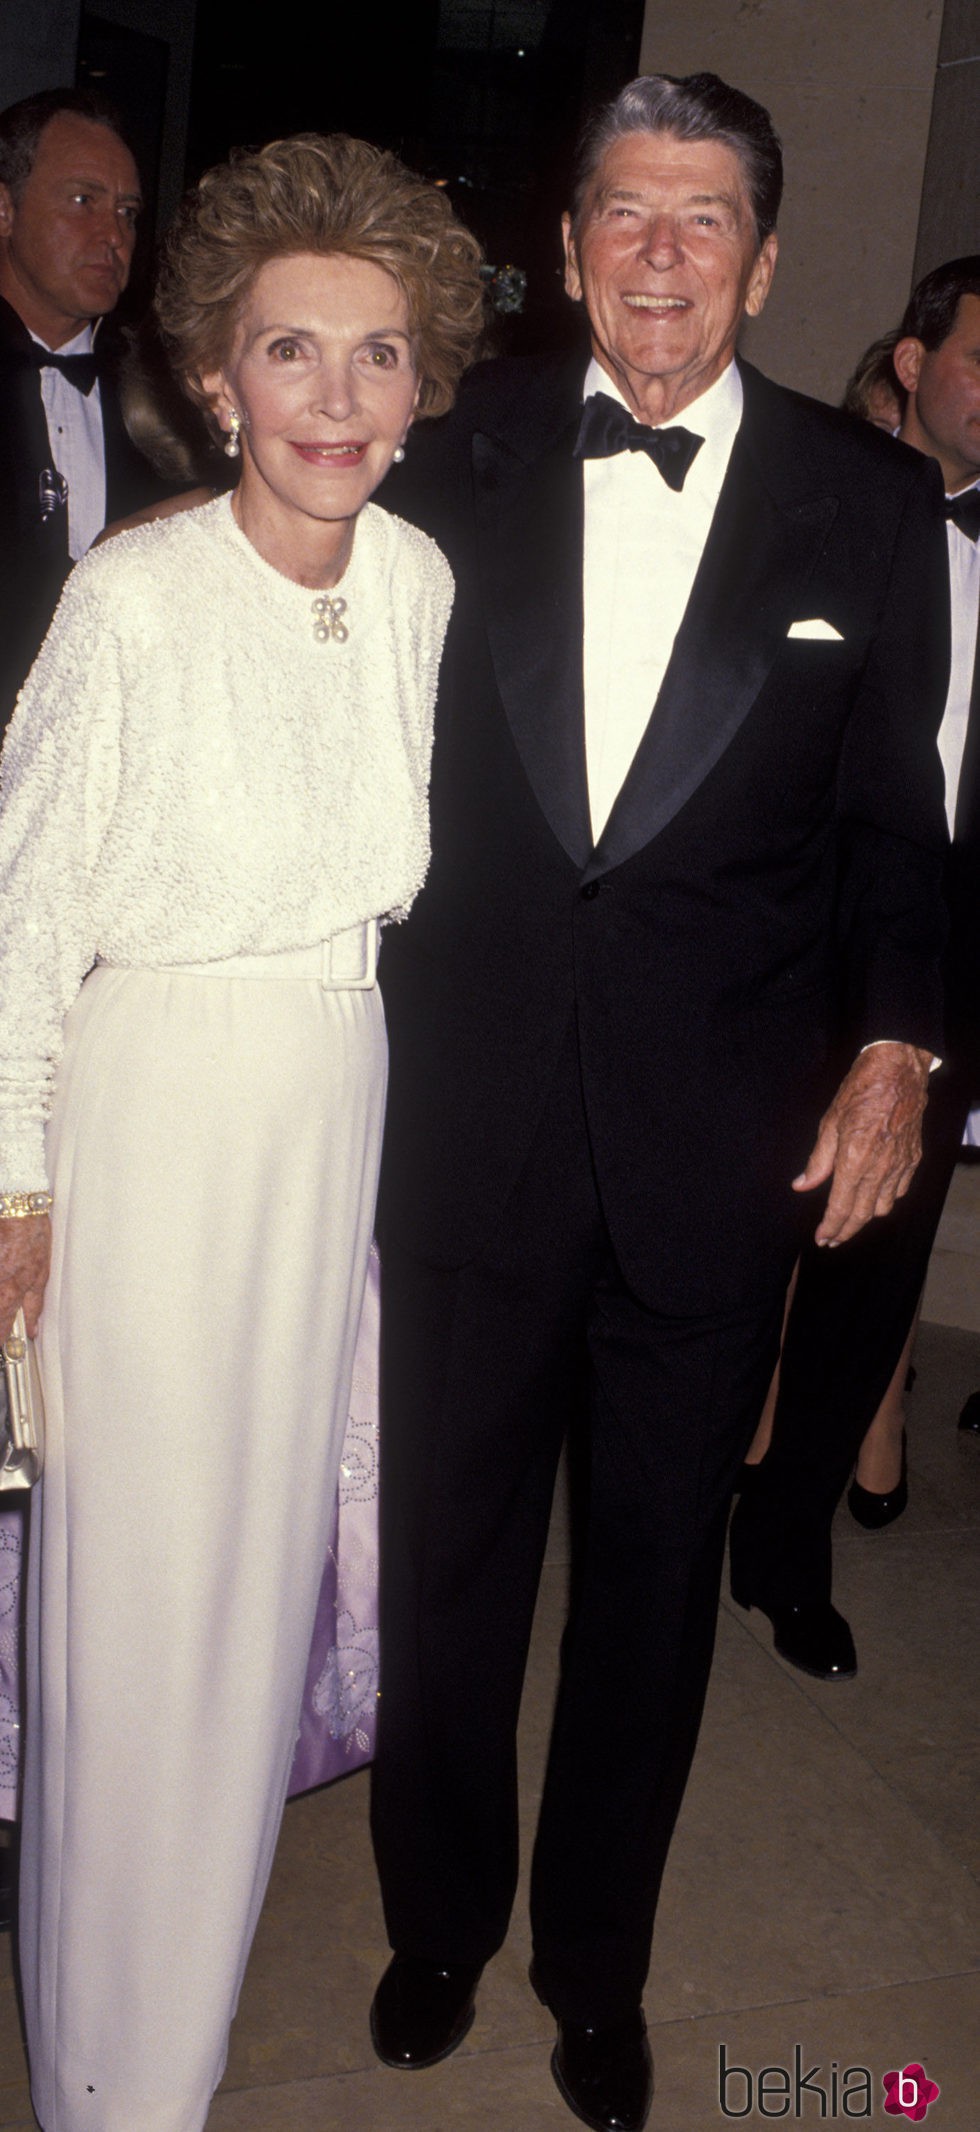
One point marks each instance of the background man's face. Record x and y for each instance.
(942, 416)
(67, 244)
(667, 262)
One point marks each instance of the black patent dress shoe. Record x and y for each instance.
(813, 1636)
(816, 1639)
(605, 2072)
(970, 1415)
(875, 1511)
(422, 2010)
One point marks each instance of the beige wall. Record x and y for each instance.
(849, 84)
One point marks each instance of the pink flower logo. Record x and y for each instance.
(909, 2093)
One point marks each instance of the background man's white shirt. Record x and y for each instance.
(964, 612)
(964, 604)
(77, 443)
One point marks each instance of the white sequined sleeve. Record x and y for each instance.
(424, 592)
(58, 779)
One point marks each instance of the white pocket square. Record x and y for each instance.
(815, 629)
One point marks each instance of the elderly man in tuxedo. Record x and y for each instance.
(686, 816)
(850, 1325)
(69, 204)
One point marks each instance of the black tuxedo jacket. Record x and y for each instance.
(773, 862)
(962, 963)
(34, 559)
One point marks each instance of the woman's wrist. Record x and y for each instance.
(22, 1206)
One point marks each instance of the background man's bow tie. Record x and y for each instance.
(607, 427)
(80, 370)
(965, 512)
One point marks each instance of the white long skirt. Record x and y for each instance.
(214, 1151)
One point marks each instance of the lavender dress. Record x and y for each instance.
(340, 1697)
(337, 1719)
(13, 1525)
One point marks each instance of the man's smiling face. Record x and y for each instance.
(667, 261)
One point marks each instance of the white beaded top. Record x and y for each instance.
(191, 772)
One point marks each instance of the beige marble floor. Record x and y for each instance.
(952, 1294)
(822, 1890)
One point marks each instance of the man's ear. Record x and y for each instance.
(573, 279)
(762, 273)
(6, 211)
(907, 362)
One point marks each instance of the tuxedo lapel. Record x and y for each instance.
(766, 534)
(758, 556)
(529, 520)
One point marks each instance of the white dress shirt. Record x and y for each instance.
(77, 443)
(964, 604)
(643, 543)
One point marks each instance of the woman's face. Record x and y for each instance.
(323, 377)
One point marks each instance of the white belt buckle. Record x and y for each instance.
(350, 959)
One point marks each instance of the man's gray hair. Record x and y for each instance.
(697, 107)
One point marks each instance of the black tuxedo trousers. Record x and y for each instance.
(484, 1368)
(851, 1315)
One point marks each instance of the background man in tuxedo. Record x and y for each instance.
(69, 204)
(685, 792)
(852, 1314)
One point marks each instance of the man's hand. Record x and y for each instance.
(870, 1139)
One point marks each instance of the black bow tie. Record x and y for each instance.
(965, 512)
(607, 427)
(80, 370)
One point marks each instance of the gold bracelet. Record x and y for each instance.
(17, 1206)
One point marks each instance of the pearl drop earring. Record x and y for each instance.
(398, 454)
(231, 445)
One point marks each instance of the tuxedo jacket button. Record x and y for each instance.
(591, 889)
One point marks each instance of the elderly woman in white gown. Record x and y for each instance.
(214, 788)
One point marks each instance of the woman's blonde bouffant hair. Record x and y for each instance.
(328, 194)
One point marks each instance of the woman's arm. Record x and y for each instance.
(58, 782)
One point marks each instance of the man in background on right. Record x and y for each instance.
(851, 1321)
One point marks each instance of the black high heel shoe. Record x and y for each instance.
(873, 1511)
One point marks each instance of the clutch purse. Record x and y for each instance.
(22, 1442)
